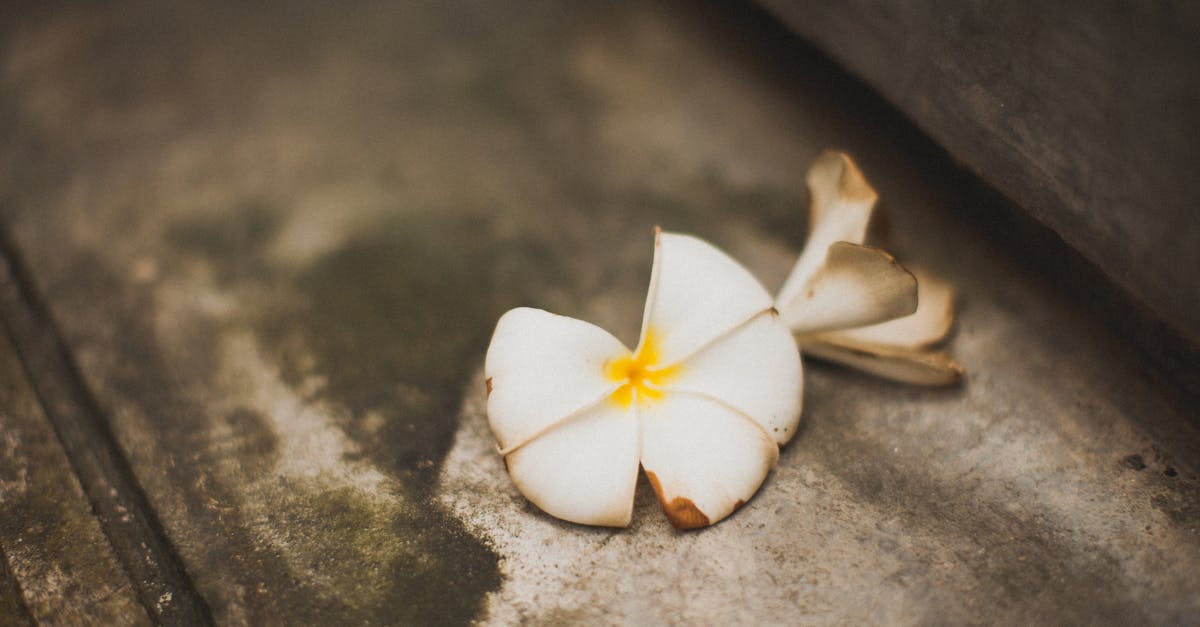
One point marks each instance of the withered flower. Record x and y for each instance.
(854, 304)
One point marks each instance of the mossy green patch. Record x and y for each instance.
(394, 323)
(256, 443)
(233, 241)
(385, 568)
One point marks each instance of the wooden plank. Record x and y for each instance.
(1085, 113)
(131, 527)
(61, 564)
(12, 607)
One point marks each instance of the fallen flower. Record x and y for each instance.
(878, 318)
(703, 403)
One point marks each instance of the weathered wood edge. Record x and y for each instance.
(1172, 359)
(161, 583)
(61, 568)
(12, 606)
(1049, 107)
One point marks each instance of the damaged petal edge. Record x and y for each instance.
(852, 185)
(681, 511)
(928, 368)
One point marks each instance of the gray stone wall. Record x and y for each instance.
(1086, 114)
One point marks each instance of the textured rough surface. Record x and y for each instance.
(1035, 494)
(275, 244)
(1085, 113)
(62, 566)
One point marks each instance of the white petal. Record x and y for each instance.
(755, 369)
(857, 285)
(542, 367)
(897, 364)
(841, 206)
(583, 470)
(927, 325)
(703, 458)
(696, 294)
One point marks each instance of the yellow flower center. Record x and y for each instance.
(641, 374)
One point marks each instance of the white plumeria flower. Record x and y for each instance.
(703, 403)
(854, 304)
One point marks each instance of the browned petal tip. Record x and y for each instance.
(957, 369)
(682, 512)
(488, 383)
(655, 484)
(853, 185)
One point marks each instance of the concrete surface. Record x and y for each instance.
(273, 245)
